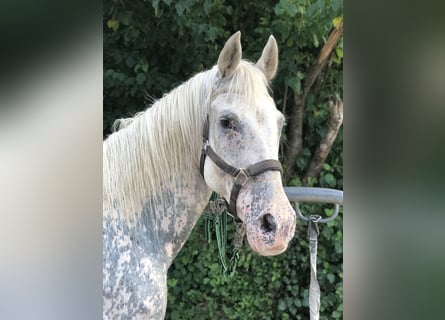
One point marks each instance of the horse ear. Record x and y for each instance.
(268, 62)
(230, 55)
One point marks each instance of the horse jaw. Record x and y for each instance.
(269, 218)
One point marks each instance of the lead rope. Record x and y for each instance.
(237, 246)
(314, 287)
(217, 218)
(313, 232)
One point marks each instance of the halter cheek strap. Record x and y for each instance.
(241, 175)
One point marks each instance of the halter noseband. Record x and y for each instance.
(241, 175)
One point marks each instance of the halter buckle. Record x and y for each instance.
(204, 146)
(241, 177)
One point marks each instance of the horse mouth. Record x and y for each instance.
(266, 238)
(266, 249)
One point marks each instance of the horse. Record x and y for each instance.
(219, 131)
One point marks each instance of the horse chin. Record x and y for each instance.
(266, 250)
(266, 244)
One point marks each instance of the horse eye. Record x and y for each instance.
(227, 123)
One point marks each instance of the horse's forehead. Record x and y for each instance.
(261, 103)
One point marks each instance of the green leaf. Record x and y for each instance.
(339, 52)
(180, 8)
(329, 179)
(295, 182)
(305, 152)
(172, 282)
(292, 9)
(327, 167)
(315, 38)
(311, 9)
(113, 24)
(125, 17)
(140, 78)
(336, 21)
(282, 305)
(336, 315)
(279, 10)
(301, 163)
(130, 61)
(336, 4)
(295, 84)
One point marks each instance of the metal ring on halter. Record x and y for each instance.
(325, 220)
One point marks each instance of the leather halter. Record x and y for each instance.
(241, 175)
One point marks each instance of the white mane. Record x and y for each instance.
(150, 149)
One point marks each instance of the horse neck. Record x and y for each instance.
(182, 204)
(153, 178)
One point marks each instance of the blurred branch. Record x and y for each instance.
(335, 121)
(296, 112)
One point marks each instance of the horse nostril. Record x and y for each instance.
(268, 223)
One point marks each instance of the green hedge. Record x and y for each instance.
(262, 287)
(152, 46)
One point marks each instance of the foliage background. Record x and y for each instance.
(151, 47)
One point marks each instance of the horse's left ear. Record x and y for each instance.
(268, 62)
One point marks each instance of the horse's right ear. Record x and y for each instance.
(230, 55)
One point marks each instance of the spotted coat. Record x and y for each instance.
(136, 258)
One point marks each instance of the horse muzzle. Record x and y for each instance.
(268, 216)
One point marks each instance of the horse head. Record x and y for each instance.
(241, 138)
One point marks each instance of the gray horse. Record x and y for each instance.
(218, 131)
